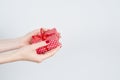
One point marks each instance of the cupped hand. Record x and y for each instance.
(28, 52)
(25, 40)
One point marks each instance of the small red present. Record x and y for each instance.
(50, 36)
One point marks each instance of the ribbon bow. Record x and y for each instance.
(51, 37)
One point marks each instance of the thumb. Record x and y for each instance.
(39, 44)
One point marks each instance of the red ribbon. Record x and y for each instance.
(51, 37)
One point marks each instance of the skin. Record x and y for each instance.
(20, 49)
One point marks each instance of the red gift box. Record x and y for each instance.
(50, 36)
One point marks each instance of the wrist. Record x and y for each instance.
(21, 42)
(10, 56)
(18, 55)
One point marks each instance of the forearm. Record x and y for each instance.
(9, 44)
(10, 56)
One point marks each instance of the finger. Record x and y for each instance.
(51, 53)
(45, 29)
(35, 32)
(39, 44)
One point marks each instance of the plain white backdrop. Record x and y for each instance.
(90, 32)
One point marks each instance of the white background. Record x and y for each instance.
(90, 32)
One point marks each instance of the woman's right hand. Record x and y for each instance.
(28, 53)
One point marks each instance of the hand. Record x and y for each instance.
(25, 40)
(28, 53)
(12, 44)
(25, 50)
